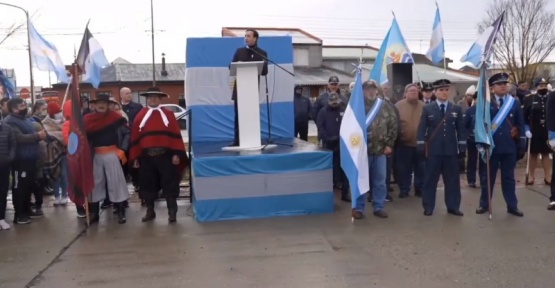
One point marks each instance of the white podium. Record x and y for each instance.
(248, 105)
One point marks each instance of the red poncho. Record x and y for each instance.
(156, 135)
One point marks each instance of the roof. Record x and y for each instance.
(140, 73)
(429, 73)
(299, 36)
(319, 76)
(348, 52)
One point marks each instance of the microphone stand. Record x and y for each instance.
(266, 59)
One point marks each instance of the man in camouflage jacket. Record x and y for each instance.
(382, 133)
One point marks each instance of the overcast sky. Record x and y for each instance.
(122, 27)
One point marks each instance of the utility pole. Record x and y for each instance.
(152, 33)
(28, 48)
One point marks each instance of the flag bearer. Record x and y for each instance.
(158, 151)
(382, 132)
(441, 136)
(507, 127)
(108, 136)
(536, 129)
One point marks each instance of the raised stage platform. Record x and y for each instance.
(282, 181)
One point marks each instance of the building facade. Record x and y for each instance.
(137, 77)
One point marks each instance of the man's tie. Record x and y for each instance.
(442, 106)
(500, 102)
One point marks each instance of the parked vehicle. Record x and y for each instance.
(179, 113)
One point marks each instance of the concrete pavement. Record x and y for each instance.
(405, 250)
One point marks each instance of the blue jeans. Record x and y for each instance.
(377, 166)
(61, 182)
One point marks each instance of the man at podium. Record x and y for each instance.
(250, 53)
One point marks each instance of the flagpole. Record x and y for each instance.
(29, 50)
(485, 90)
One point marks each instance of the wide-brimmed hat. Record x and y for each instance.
(154, 91)
(103, 98)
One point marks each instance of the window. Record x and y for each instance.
(174, 109)
(104, 92)
(86, 95)
(137, 98)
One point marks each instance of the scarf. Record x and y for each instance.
(99, 122)
(149, 113)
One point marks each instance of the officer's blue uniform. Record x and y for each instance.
(472, 162)
(506, 151)
(551, 135)
(444, 139)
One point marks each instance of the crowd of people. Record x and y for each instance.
(423, 136)
(129, 143)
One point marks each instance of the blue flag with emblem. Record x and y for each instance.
(479, 55)
(354, 141)
(7, 89)
(394, 49)
(482, 121)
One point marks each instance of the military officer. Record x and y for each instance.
(441, 135)
(536, 130)
(551, 134)
(507, 127)
(427, 92)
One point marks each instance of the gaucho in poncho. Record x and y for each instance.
(108, 136)
(157, 149)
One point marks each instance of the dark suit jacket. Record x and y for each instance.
(247, 55)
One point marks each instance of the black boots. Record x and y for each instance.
(171, 202)
(120, 210)
(94, 212)
(150, 214)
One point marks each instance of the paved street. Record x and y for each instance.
(406, 250)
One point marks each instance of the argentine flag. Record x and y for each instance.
(44, 55)
(436, 53)
(481, 50)
(353, 144)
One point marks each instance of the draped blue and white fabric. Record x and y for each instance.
(208, 87)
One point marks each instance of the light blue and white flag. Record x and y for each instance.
(45, 56)
(481, 50)
(483, 134)
(436, 53)
(354, 141)
(394, 49)
(91, 59)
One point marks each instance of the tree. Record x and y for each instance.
(526, 37)
(10, 31)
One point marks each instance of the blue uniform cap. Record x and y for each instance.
(499, 78)
(441, 83)
(540, 81)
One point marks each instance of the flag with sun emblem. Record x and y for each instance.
(79, 157)
(354, 157)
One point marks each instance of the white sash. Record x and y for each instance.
(502, 113)
(373, 112)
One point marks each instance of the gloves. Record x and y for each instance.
(462, 149)
(551, 143)
(528, 134)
